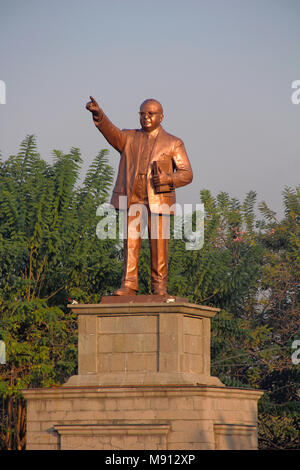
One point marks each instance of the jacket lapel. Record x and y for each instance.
(156, 145)
(132, 162)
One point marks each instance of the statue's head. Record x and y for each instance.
(151, 114)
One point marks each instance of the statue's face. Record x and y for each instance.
(150, 115)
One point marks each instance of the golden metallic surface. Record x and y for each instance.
(146, 182)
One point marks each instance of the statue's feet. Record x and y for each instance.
(160, 291)
(125, 291)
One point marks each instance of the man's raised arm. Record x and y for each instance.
(113, 134)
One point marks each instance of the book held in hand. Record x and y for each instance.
(161, 167)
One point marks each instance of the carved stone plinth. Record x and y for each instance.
(143, 383)
(143, 343)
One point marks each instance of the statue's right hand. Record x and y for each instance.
(93, 106)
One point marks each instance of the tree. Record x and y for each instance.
(280, 312)
(50, 254)
(249, 268)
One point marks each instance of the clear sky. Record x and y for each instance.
(222, 69)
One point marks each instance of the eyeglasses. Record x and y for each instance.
(149, 113)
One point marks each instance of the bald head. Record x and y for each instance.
(155, 102)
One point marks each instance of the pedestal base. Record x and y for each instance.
(143, 343)
(143, 378)
(143, 383)
(142, 417)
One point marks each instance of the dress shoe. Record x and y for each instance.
(160, 292)
(125, 291)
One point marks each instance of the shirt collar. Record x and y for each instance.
(154, 133)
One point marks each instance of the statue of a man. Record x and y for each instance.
(153, 163)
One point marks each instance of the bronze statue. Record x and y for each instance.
(153, 163)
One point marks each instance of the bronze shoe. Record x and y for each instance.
(160, 292)
(125, 291)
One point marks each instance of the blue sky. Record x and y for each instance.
(222, 69)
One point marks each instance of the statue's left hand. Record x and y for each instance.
(161, 178)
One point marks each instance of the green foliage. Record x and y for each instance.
(279, 432)
(225, 270)
(50, 254)
(41, 345)
(48, 242)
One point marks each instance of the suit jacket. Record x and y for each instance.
(167, 148)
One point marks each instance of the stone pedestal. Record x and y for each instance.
(143, 383)
(143, 343)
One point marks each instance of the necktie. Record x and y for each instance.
(145, 156)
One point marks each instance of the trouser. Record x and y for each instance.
(158, 234)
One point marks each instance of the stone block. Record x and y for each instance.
(127, 324)
(159, 403)
(235, 437)
(192, 344)
(191, 363)
(104, 362)
(192, 326)
(169, 343)
(141, 362)
(118, 362)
